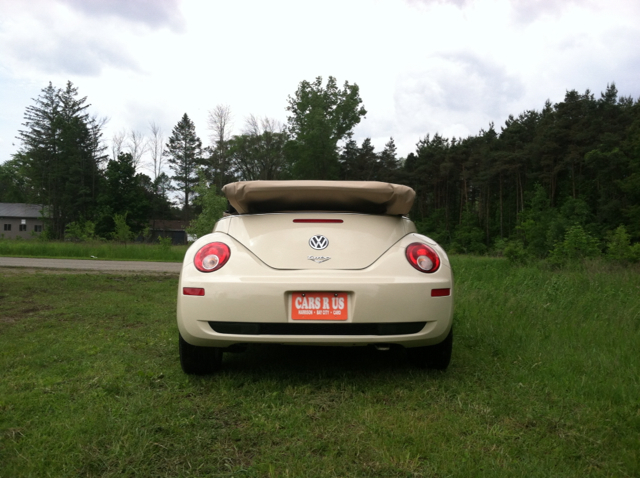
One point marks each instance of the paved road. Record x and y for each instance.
(91, 265)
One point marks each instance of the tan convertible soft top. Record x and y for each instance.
(372, 197)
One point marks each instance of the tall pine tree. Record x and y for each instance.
(184, 153)
(61, 153)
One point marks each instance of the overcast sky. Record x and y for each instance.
(423, 66)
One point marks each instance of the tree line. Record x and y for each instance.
(63, 164)
(573, 164)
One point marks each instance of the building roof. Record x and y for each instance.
(19, 210)
(250, 197)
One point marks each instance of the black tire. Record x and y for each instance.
(199, 360)
(435, 357)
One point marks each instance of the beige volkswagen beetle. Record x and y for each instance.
(315, 263)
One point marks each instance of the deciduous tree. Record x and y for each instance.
(212, 207)
(155, 146)
(123, 193)
(258, 153)
(13, 183)
(320, 116)
(220, 122)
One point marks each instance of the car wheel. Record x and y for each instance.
(435, 357)
(199, 360)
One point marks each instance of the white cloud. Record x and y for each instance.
(454, 95)
(51, 39)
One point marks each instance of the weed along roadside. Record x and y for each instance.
(543, 382)
(92, 250)
(92, 265)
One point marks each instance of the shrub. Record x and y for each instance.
(468, 238)
(577, 245)
(123, 231)
(435, 226)
(213, 207)
(619, 248)
(78, 231)
(165, 243)
(146, 234)
(535, 223)
(515, 252)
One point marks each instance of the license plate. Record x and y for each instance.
(319, 306)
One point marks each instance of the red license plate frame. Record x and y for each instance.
(331, 306)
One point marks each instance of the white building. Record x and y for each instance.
(20, 220)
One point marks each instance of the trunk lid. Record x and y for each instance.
(355, 241)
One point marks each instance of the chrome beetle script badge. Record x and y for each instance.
(318, 242)
(318, 259)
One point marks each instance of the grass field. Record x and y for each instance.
(98, 249)
(544, 382)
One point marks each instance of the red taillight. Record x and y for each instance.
(192, 291)
(212, 257)
(317, 221)
(440, 292)
(422, 257)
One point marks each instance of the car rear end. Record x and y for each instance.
(316, 278)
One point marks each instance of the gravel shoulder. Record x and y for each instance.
(23, 264)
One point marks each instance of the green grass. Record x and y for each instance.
(84, 250)
(544, 382)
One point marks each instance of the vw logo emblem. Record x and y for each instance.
(318, 242)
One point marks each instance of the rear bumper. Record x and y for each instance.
(388, 292)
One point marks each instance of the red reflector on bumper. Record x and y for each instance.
(440, 292)
(192, 291)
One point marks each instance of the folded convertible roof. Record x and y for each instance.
(371, 197)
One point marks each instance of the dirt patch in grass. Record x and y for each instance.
(22, 313)
(13, 434)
